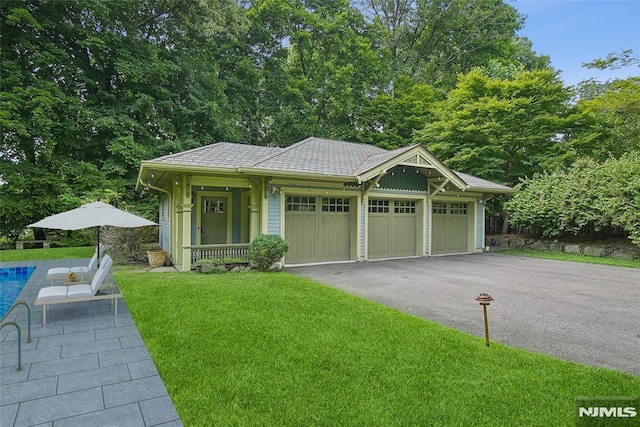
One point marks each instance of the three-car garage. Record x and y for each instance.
(326, 229)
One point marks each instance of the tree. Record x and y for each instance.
(611, 110)
(389, 120)
(435, 41)
(319, 62)
(501, 129)
(613, 126)
(89, 89)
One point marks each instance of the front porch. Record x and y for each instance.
(204, 217)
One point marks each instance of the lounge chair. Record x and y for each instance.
(80, 292)
(82, 272)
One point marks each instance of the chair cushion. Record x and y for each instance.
(80, 270)
(61, 272)
(52, 292)
(77, 291)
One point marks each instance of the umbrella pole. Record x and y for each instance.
(98, 247)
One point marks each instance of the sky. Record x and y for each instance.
(572, 32)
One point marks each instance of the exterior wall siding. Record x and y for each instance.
(164, 223)
(479, 225)
(274, 213)
(404, 178)
(363, 240)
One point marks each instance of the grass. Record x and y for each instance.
(563, 256)
(276, 349)
(46, 254)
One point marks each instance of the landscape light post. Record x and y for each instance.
(484, 300)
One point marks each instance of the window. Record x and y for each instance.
(458, 208)
(335, 204)
(408, 207)
(301, 204)
(439, 208)
(378, 206)
(213, 207)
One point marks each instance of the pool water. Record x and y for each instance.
(12, 280)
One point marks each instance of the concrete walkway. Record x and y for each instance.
(86, 367)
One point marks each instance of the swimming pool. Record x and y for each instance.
(12, 280)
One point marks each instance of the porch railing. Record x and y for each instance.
(235, 251)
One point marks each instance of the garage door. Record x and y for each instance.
(318, 229)
(450, 227)
(393, 226)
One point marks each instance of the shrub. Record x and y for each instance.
(603, 194)
(211, 266)
(265, 250)
(129, 245)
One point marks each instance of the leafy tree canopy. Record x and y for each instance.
(501, 129)
(89, 89)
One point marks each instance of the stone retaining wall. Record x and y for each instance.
(593, 248)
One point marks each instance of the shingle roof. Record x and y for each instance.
(376, 160)
(320, 156)
(221, 155)
(475, 182)
(311, 156)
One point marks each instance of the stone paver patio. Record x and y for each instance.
(85, 367)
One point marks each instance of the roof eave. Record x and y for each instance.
(147, 166)
(493, 190)
(186, 168)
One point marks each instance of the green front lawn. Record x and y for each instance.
(46, 254)
(274, 349)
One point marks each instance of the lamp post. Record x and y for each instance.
(484, 300)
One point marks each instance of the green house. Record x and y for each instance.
(330, 200)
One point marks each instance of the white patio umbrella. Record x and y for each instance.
(94, 214)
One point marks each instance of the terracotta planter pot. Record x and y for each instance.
(157, 258)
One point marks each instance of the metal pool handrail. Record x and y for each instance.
(28, 317)
(19, 368)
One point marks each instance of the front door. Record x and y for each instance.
(214, 219)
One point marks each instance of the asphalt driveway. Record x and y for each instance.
(580, 312)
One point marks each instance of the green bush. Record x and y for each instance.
(603, 194)
(266, 249)
(211, 266)
(129, 245)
